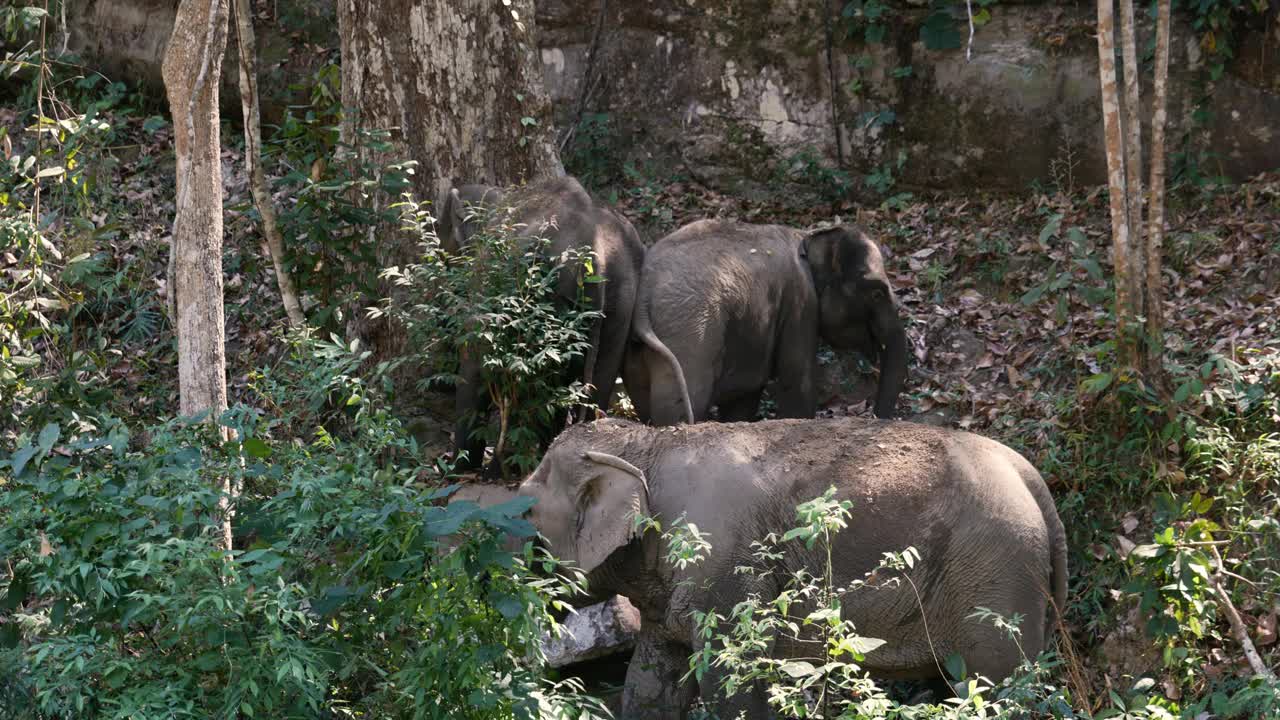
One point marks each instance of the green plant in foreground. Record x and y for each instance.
(351, 590)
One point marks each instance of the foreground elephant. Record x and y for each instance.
(725, 307)
(561, 210)
(979, 514)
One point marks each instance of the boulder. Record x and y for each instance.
(594, 632)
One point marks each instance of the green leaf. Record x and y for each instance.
(510, 606)
(48, 436)
(982, 17)
(861, 645)
(939, 32)
(255, 447)
(955, 666)
(1095, 384)
(797, 668)
(1143, 552)
(1050, 228)
(20, 458)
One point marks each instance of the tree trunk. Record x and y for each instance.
(459, 85)
(192, 68)
(1133, 153)
(1155, 210)
(1116, 180)
(273, 241)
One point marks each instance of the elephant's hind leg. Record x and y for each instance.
(635, 376)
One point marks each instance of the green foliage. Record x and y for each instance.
(807, 167)
(332, 249)
(351, 591)
(1082, 276)
(881, 179)
(593, 154)
(499, 301)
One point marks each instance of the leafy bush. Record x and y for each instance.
(499, 300)
(351, 590)
(328, 226)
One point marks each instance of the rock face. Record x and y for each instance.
(741, 88)
(729, 83)
(594, 632)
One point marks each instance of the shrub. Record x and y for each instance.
(351, 590)
(499, 300)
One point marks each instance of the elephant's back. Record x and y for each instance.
(718, 234)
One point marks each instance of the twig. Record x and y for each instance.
(40, 114)
(1237, 625)
(831, 79)
(585, 90)
(968, 51)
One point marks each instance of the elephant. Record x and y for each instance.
(724, 307)
(980, 516)
(561, 210)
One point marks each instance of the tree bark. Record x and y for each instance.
(459, 85)
(1155, 209)
(1133, 153)
(273, 240)
(1116, 180)
(192, 68)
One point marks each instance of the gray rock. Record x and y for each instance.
(594, 632)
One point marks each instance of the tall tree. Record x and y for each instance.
(1114, 136)
(1139, 313)
(192, 69)
(459, 85)
(1155, 234)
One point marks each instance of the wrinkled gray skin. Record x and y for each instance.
(559, 209)
(725, 307)
(979, 514)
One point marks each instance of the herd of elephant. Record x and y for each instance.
(708, 317)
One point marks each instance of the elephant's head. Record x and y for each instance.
(857, 310)
(587, 502)
(455, 221)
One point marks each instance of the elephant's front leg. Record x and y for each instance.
(471, 402)
(653, 688)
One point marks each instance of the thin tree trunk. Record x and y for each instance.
(248, 50)
(1155, 210)
(1133, 153)
(192, 69)
(1115, 179)
(459, 84)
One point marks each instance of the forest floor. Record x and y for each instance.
(1006, 299)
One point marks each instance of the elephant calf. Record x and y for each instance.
(979, 514)
(561, 210)
(725, 307)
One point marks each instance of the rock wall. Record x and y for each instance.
(728, 88)
(705, 77)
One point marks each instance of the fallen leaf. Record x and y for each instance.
(1124, 546)
(1129, 523)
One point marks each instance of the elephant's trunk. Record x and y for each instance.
(890, 332)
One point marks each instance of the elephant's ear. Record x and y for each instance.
(450, 221)
(609, 500)
(822, 249)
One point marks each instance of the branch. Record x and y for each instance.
(1237, 625)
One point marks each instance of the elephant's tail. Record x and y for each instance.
(1057, 549)
(643, 329)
